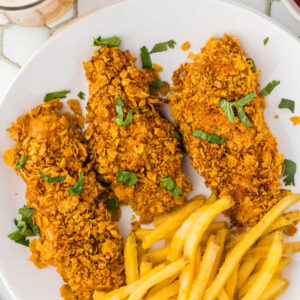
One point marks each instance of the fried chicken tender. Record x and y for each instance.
(147, 147)
(77, 236)
(247, 165)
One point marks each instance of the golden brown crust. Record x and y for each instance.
(248, 164)
(77, 235)
(147, 147)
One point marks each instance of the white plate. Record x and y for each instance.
(58, 66)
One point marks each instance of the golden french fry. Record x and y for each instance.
(212, 228)
(202, 223)
(145, 267)
(167, 292)
(284, 220)
(290, 248)
(268, 269)
(161, 286)
(124, 291)
(206, 265)
(211, 199)
(159, 255)
(167, 227)
(247, 285)
(223, 296)
(183, 211)
(99, 295)
(186, 280)
(220, 240)
(231, 284)
(285, 261)
(246, 269)
(141, 233)
(235, 255)
(275, 288)
(168, 271)
(178, 240)
(131, 259)
(198, 258)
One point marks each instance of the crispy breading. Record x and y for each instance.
(147, 147)
(77, 235)
(247, 165)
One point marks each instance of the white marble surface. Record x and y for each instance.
(18, 44)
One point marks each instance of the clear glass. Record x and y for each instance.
(34, 12)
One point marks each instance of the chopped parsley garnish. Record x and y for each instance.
(239, 105)
(288, 172)
(81, 95)
(266, 41)
(21, 161)
(253, 64)
(54, 95)
(113, 204)
(25, 226)
(126, 177)
(287, 103)
(120, 114)
(146, 59)
(156, 84)
(113, 41)
(270, 86)
(77, 187)
(210, 137)
(160, 47)
(52, 179)
(169, 185)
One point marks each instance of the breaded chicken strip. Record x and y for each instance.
(77, 235)
(247, 165)
(147, 147)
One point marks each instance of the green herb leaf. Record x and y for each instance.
(113, 204)
(239, 105)
(266, 41)
(77, 187)
(210, 137)
(21, 162)
(253, 64)
(176, 192)
(25, 226)
(146, 59)
(156, 84)
(270, 86)
(113, 41)
(287, 103)
(169, 185)
(119, 106)
(160, 47)
(54, 95)
(120, 114)
(81, 95)
(126, 177)
(288, 172)
(52, 179)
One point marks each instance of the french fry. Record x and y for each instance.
(206, 265)
(141, 233)
(99, 295)
(159, 255)
(186, 280)
(231, 284)
(161, 285)
(285, 261)
(168, 271)
(290, 248)
(220, 240)
(275, 288)
(167, 227)
(246, 269)
(212, 228)
(202, 223)
(131, 259)
(167, 292)
(178, 240)
(145, 267)
(223, 296)
(268, 269)
(184, 211)
(247, 285)
(235, 255)
(198, 258)
(211, 199)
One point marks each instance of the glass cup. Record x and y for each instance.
(34, 12)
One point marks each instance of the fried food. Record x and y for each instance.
(246, 276)
(147, 147)
(247, 165)
(77, 235)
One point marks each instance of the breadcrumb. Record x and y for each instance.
(276, 117)
(295, 120)
(185, 46)
(247, 165)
